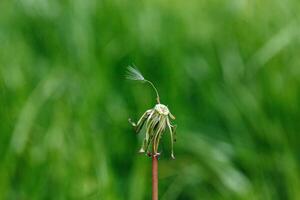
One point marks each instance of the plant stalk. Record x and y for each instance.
(154, 177)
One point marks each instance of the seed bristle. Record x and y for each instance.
(134, 74)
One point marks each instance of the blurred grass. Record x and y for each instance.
(228, 70)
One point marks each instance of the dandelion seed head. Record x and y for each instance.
(154, 121)
(162, 109)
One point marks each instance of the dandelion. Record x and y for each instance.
(155, 120)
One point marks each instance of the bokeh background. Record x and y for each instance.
(228, 70)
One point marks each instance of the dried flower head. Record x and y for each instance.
(154, 120)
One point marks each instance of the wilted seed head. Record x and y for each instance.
(154, 120)
(162, 109)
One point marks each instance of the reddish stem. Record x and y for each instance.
(154, 178)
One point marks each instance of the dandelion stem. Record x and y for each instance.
(154, 177)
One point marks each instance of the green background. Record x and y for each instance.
(228, 70)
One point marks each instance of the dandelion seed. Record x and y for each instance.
(134, 74)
